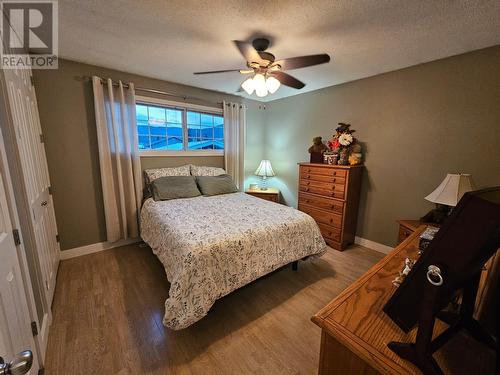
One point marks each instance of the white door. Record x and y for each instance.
(15, 322)
(31, 152)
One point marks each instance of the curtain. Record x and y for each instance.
(234, 141)
(118, 157)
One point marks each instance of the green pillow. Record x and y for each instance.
(215, 185)
(174, 187)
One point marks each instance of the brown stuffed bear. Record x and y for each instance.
(318, 146)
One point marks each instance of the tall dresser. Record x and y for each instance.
(330, 194)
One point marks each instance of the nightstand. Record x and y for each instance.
(407, 227)
(271, 194)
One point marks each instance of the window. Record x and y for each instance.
(169, 128)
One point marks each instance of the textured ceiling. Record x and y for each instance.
(170, 40)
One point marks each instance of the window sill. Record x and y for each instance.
(181, 153)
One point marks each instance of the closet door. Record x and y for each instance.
(35, 175)
(15, 322)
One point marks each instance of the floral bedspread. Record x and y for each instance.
(211, 246)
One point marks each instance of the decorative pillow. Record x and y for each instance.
(206, 171)
(215, 185)
(174, 187)
(153, 174)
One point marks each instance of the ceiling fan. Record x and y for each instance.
(268, 73)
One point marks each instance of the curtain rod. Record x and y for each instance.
(153, 91)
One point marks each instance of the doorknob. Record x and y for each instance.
(20, 365)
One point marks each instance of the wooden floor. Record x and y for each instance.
(108, 310)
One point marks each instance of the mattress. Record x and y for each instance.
(211, 246)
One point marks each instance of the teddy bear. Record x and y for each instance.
(317, 150)
(318, 146)
(355, 155)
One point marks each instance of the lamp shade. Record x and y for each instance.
(451, 190)
(248, 86)
(265, 169)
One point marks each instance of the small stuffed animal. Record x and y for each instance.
(356, 155)
(318, 146)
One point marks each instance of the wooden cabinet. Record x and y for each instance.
(271, 194)
(406, 228)
(356, 331)
(330, 194)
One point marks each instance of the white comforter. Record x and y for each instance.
(211, 246)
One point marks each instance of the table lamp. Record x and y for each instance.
(447, 195)
(264, 170)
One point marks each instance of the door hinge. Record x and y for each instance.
(17, 237)
(32, 80)
(42, 138)
(34, 329)
(50, 190)
(57, 238)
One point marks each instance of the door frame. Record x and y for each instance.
(10, 167)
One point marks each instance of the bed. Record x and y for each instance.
(213, 245)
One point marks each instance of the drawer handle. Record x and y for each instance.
(334, 173)
(334, 179)
(307, 189)
(308, 183)
(308, 176)
(331, 220)
(333, 194)
(307, 201)
(44, 203)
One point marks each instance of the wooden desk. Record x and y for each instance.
(355, 330)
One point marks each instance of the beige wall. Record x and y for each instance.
(67, 117)
(417, 124)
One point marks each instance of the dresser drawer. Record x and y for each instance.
(334, 244)
(320, 191)
(330, 232)
(267, 197)
(322, 185)
(323, 171)
(322, 217)
(322, 178)
(321, 202)
(404, 233)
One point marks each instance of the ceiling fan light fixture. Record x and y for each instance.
(248, 85)
(272, 84)
(259, 81)
(261, 91)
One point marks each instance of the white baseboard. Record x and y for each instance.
(381, 248)
(96, 247)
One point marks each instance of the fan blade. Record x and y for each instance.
(288, 80)
(249, 53)
(219, 71)
(302, 61)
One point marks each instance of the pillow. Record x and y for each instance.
(174, 187)
(206, 171)
(215, 185)
(153, 174)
